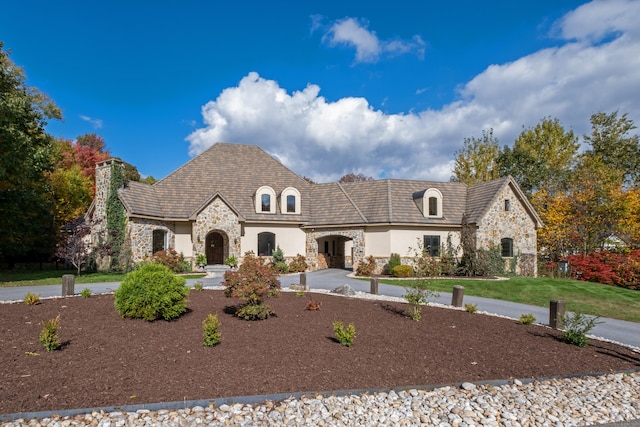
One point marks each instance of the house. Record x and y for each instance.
(236, 198)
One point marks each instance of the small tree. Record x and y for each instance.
(252, 283)
(73, 246)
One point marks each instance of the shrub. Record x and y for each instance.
(172, 260)
(201, 259)
(232, 261)
(471, 308)
(427, 266)
(198, 286)
(402, 271)
(417, 294)
(298, 264)
(211, 334)
(607, 267)
(252, 283)
(32, 299)
(394, 261)
(527, 319)
(151, 292)
(577, 326)
(344, 335)
(313, 305)
(280, 267)
(367, 267)
(49, 334)
(86, 293)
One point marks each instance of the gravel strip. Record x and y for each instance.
(556, 402)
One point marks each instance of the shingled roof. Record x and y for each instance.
(234, 172)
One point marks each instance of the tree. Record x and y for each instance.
(542, 157)
(73, 245)
(611, 141)
(476, 161)
(71, 192)
(26, 220)
(351, 177)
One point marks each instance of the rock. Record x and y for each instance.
(468, 386)
(344, 290)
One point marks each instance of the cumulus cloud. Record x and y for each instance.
(593, 68)
(96, 123)
(369, 48)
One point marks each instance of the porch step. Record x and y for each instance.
(216, 270)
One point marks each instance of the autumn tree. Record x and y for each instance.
(26, 220)
(476, 161)
(352, 177)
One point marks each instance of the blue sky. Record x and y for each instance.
(380, 88)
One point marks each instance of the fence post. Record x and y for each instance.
(458, 295)
(556, 314)
(374, 286)
(303, 281)
(68, 281)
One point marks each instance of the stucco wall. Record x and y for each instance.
(290, 238)
(516, 224)
(184, 242)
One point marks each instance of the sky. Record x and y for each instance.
(386, 89)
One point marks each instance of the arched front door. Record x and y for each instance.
(214, 248)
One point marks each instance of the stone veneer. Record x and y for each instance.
(103, 186)
(140, 233)
(354, 234)
(517, 224)
(217, 216)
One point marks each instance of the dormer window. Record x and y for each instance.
(290, 201)
(432, 203)
(265, 200)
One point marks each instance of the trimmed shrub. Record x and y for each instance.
(232, 261)
(32, 299)
(86, 293)
(151, 292)
(471, 308)
(49, 334)
(402, 271)
(527, 319)
(577, 326)
(394, 261)
(344, 335)
(252, 283)
(211, 334)
(367, 267)
(298, 264)
(198, 286)
(607, 267)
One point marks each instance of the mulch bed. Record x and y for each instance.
(110, 361)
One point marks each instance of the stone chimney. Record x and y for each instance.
(103, 185)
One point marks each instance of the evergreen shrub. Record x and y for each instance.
(402, 271)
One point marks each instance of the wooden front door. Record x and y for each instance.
(215, 248)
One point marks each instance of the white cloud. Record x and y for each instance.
(324, 140)
(96, 123)
(369, 48)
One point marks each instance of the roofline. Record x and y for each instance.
(208, 201)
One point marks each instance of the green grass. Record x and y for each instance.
(584, 297)
(12, 278)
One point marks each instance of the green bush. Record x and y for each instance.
(49, 334)
(402, 271)
(577, 326)
(232, 261)
(367, 267)
(298, 264)
(172, 260)
(344, 335)
(471, 308)
(527, 319)
(151, 292)
(32, 299)
(394, 261)
(211, 334)
(198, 286)
(252, 283)
(86, 293)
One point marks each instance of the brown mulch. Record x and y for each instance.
(110, 361)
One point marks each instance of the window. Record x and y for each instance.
(507, 247)
(290, 201)
(432, 203)
(507, 205)
(291, 204)
(159, 240)
(265, 200)
(266, 203)
(266, 243)
(432, 245)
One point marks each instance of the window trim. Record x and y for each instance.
(290, 191)
(509, 249)
(432, 193)
(271, 238)
(262, 191)
(434, 250)
(165, 240)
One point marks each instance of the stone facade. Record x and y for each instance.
(356, 235)
(217, 216)
(515, 223)
(141, 236)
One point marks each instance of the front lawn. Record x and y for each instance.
(585, 297)
(10, 278)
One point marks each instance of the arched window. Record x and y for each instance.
(159, 240)
(266, 243)
(507, 247)
(290, 201)
(432, 203)
(265, 200)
